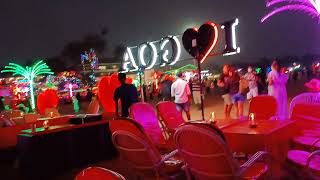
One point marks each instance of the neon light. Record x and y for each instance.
(216, 35)
(70, 90)
(235, 49)
(165, 54)
(154, 55)
(29, 73)
(233, 30)
(310, 7)
(128, 59)
(141, 54)
(175, 42)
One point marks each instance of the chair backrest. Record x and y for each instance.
(54, 111)
(169, 114)
(93, 107)
(98, 173)
(30, 118)
(205, 152)
(263, 107)
(134, 144)
(304, 98)
(144, 114)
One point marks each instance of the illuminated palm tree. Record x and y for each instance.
(29, 73)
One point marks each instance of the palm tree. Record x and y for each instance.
(29, 73)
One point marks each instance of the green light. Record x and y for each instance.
(258, 70)
(29, 73)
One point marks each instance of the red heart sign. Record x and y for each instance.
(200, 42)
(47, 99)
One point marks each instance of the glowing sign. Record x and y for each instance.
(153, 60)
(132, 63)
(176, 47)
(231, 41)
(167, 51)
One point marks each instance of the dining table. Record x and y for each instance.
(45, 151)
(272, 136)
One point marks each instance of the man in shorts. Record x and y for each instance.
(196, 93)
(251, 77)
(180, 90)
(222, 83)
(237, 94)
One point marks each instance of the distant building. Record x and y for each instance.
(106, 66)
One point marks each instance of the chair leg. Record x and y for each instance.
(188, 174)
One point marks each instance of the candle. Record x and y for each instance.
(252, 120)
(212, 118)
(46, 124)
(251, 116)
(51, 114)
(21, 114)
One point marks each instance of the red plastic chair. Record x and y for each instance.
(98, 173)
(207, 155)
(307, 118)
(304, 98)
(307, 160)
(264, 107)
(138, 150)
(145, 115)
(170, 116)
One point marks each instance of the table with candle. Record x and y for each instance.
(57, 120)
(272, 136)
(63, 147)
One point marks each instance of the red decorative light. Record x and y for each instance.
(214, 42)
(47, 99)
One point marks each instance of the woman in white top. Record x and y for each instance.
(277, 88)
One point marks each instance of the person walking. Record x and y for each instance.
(277, 88)
(180, 91)
(208, 84)
(166, 88)
(251, 77)
(222, 83)
(237, 94)
(128, 95)
(196, 91)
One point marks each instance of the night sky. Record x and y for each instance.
(40, 29)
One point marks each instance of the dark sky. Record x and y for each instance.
(40, 28)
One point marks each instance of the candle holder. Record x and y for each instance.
(212, 119)
(252, 121)
(21, 114)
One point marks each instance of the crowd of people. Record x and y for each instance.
(235, 89)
